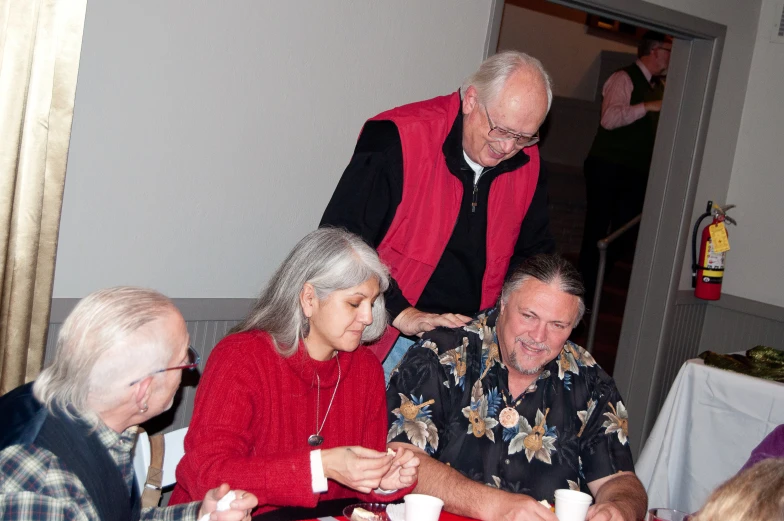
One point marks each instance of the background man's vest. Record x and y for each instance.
(632, 145)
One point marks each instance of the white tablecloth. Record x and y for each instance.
(708, 426)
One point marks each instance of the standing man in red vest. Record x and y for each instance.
(450, 193)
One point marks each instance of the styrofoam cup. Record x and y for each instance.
(571, 505)
(420, 507)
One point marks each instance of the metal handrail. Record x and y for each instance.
(602, 244)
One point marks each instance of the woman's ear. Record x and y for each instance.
(308, 299)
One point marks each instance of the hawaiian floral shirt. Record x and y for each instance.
(449, 397)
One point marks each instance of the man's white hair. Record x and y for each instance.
(101, 350)
(492, 74)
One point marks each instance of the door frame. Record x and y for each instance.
(644, 354)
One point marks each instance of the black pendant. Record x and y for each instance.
(314, 440)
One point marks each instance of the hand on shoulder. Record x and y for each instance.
(412, 321)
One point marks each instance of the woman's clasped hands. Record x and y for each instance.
(366, 470)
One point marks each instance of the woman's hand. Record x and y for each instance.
(239, 508)
(356, 467)
(403, 472)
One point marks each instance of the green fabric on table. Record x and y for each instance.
(760, 361)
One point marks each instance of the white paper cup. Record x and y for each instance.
(420, 507)
(571, 505)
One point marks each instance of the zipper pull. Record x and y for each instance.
(473, 202)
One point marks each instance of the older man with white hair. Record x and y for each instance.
(65, 448)
(452, 194)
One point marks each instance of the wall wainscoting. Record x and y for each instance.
(684, 339)
(728, 325)
(725, 326)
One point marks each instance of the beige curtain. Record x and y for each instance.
(40, 44)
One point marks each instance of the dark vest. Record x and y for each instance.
(632, 145)
(27, 422)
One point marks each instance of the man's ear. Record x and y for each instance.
(143, 392)
(308, 299)
(470, 100)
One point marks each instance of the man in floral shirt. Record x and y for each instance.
(508, 402)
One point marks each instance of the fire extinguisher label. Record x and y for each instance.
(718, 235)
(713, 260)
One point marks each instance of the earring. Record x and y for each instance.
(144, 409)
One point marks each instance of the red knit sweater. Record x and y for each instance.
(254, 412)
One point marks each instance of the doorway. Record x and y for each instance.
(643, 358)
(589, 49)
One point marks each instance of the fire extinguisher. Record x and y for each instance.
(707, 270)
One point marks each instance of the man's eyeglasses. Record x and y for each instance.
(520, 140)
(193, 362)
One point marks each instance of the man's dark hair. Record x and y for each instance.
(548, 268)
(650, 41)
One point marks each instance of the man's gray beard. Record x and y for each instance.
(516, 364)
(520, 369)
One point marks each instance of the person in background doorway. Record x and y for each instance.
(616, 170)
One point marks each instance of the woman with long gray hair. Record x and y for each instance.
(291, 405)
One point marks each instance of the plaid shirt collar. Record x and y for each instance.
(117, 443)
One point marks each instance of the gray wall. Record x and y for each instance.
(208, 137)
(736, 324)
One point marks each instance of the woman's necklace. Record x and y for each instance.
(314, 440)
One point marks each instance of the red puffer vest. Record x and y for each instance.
(427, 214)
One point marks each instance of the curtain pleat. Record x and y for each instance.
(40, 46)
